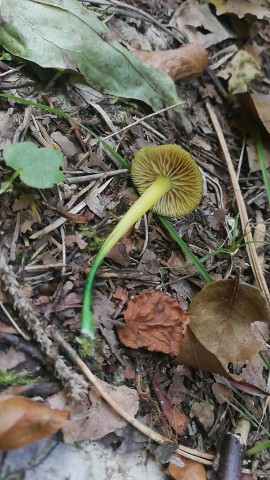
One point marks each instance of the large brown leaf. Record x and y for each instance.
(154, 321)
(222, 315)
(23, 421)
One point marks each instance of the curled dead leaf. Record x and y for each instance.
(23, 421)
(189, 60)
(154, 321)
(221, 328)
(175, 418)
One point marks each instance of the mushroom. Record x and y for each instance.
(169, 181)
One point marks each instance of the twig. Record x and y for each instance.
(251, 249)
(75, 385)
(142, 119)
(201, 457)
(17, 328)
(95, 176)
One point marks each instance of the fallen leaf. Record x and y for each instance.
(186, 61)
(218, 218)
(196, 21)
(119, 254)
(154, 321)
(7, 128)
(86, 46)
(177, 389)
(190, 471)
(204, 412)
(222, 315)
(256, 8)
(95, 204)
(24, 201)
(240, 71)
(77, 238)
(72, 217)
(100, 419)
(68, 148)
(175, 418)
(105, 419)
(222, 393)
(10, 359)
(27, 219)
(262, 105)
(149, 263)
(23, 421)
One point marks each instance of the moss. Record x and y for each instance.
(96, 241)
(13, 378)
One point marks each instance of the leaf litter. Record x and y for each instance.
(118, 286)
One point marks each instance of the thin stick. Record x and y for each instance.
(178, 104)
(17, 328)
(201, 457)
(251, 249)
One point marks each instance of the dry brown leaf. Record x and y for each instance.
(149, 263)
(262, 106)
(119, 254)
(100, 419)
(196, 21)
(77, 238)
(23, 421)
(154, 321)
(190, 471)
(204, 412)
(221, 328)
(24, 201)
(175, 418)
(187, 61)
(256, 8)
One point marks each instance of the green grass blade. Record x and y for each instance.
(261, 158)
(185, 249)
(258, 447)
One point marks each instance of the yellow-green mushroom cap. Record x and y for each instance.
(179, 167)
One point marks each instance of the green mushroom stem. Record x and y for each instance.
(144, 203)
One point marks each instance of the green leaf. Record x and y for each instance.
(38, 167)
(65, 35)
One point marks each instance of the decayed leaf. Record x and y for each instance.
(175, 418)
(256, 8)
(262, 105)
(186, 61)
(204, 412)
(23, 421)
(221, 327)
(154, 321)
(30, 29)
(199, 25)
(190, 471)
(100, 419)
(241, 70)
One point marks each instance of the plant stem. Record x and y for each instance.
(9, 182)
(147, 200)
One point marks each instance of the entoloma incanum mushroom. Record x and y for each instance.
(170, 183)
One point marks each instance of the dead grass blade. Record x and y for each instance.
(250, 245)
